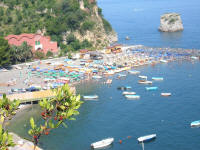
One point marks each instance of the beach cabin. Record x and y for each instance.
(83, 52)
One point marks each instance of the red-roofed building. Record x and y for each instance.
(37, 41)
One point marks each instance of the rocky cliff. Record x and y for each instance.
(171, 22)
(98, 35)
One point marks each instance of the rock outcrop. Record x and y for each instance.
(171, 22)
(98, 36)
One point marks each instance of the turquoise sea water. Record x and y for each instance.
(140, 19)
(114, 116)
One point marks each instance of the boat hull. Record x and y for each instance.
(103, 143)
(147, 138)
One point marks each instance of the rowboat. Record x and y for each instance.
(103, 143)
(195, 123)
(157, 78)
(146, 138)
(91, 97)
(134, 72)
(128, 93)
(163, 61)
(165, 94)
(143, 77)
(132, 96)
(153, 88)
(145, 82)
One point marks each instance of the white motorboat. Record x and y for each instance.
(128, 93)
(165, 94)
(157, 78)
(145, 82)
(132, 96)
(134, 72)
(103, 143)
(143, 77)
(90, 97)
(146, 138)
(195, 123)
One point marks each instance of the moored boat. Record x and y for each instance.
(145, 82)
(157, 78)
(165, 94)
(134, 72)
(143, 77)
(128, 93)
(132, 96)
(195, 123)
(146, 138)
(103, 143)
(152, 88)
(91, 97)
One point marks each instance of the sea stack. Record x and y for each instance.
(171, 22)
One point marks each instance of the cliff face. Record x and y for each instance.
(171, 22)
(98, 35)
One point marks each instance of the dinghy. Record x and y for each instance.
(157, 78)
(153, 88)
(128, 93)
(195, 123)
(103, 143)
(146, 138)
(166, 94)
(143, 77)
(90, 97)
(145, 82)
(132, 96)
(134, 72)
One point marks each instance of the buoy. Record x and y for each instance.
(128, 137)
(120, 141)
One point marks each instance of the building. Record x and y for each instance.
(37, 41)
(114, 49)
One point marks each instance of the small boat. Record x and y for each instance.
(152, 88)
(103, 143)
(128, 87)
(91, 97)
(132, 96)
(121, 75)
(134, 72)
(145, 82)
(127, 38)
(146, 138)
(96, 77)
(157, 78)
(195, 123)
(128, 93)
(109, 81)
(163, 61)
(143, 77)
(165, 94)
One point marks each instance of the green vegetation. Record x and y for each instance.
(55, 112)
(21, 53)
(7, 111)
(49, 54)
(39, 55)
(5, 54)
(54, 16)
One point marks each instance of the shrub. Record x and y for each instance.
(49, 54)
(39, 55)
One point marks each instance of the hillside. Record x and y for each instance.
(76, 23)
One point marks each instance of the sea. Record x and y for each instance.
(112, 115)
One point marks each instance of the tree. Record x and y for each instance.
(49, 54)
(55, 111)
(7, 111)
(21, 53)
(39, 55)
(4, 53)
